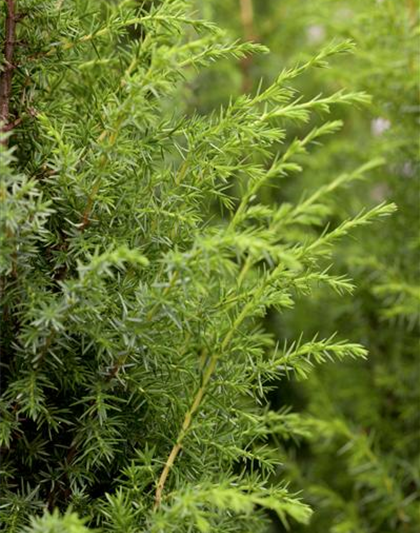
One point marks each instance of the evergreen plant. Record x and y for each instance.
(137, 261)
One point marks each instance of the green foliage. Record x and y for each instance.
(362, 467)
(54, 523)
(140, 256)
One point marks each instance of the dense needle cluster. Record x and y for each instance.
(138, 261)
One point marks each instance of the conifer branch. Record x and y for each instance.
(117, 363)
(211, 367)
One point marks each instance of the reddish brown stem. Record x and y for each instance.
(7, 74)
(12, 125)
(247, 19)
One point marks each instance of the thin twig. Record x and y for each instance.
(198, 398)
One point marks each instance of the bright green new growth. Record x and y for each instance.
(361, 468)
(136, 264)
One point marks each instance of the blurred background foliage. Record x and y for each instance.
(361, 469)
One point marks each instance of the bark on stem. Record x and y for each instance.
(7, 74)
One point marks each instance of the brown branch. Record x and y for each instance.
(7, 74)
(247, 19)
(12, 125)
(89, 206)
